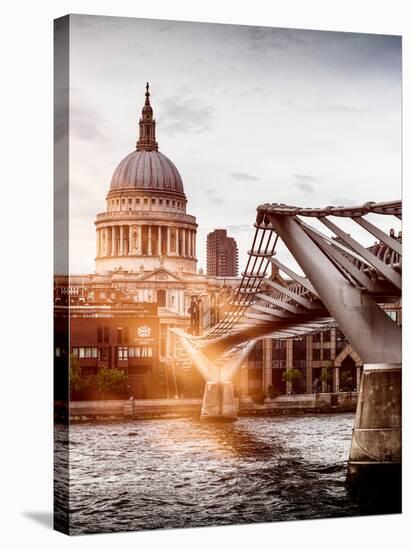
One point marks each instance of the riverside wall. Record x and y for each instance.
(171, 408)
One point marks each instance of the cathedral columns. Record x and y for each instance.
(139, 239)
(106, 241)
(168, 241)
(184, 242)
(191, 244)
(149, 240)
(113, 251)
(159, 240)
(130, 239)
(121, 241)
(101, 241)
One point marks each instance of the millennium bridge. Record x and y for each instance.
(345, 283)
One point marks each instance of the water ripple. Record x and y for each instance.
(166, 473)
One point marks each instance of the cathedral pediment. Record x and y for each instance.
(161, 274)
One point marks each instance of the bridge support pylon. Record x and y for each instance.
(376, 442)
(376, 437)
(219, 404)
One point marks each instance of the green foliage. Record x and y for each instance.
(76, 381)
(111, 382)
(326, 375)
(291, 375)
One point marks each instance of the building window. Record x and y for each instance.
(137, 201)
(123, 201)
(326, 354)
(316, 354)
(130, 201)
(299, 349)
(103, 354)
(161, 298)
(326, 336)
(85, 353)
(316, 337)
(122, 354)
(122, 335)
(167, 202)
(140, 351)
(173, 203)
(102, 334)
(145, 201)
(160, 201)
(153, 201)
(340, 341)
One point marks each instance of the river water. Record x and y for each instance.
(174, 473)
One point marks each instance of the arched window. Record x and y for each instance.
(161, 298)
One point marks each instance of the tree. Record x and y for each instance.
(111, 382)
(326, 376)
(76, 382)
(292, 376)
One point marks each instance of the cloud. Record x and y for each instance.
(86, 123)
(304, 177)
(213, 197)
(243, 176)
(305, 187)
(290, 105)
(217, 200)
(339, 201)
(240, 228)
(346, 109)
(264, 39)
(185, 115)
(305, 183)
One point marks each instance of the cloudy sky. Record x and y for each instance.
(248, 114)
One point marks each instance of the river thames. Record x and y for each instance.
(174, 473)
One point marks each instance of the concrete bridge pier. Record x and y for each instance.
(219, 404)
(376, 449)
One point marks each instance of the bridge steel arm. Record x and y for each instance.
(203, 364)
(230, 368)
(373, 335)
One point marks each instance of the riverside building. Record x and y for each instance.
(146, 280)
